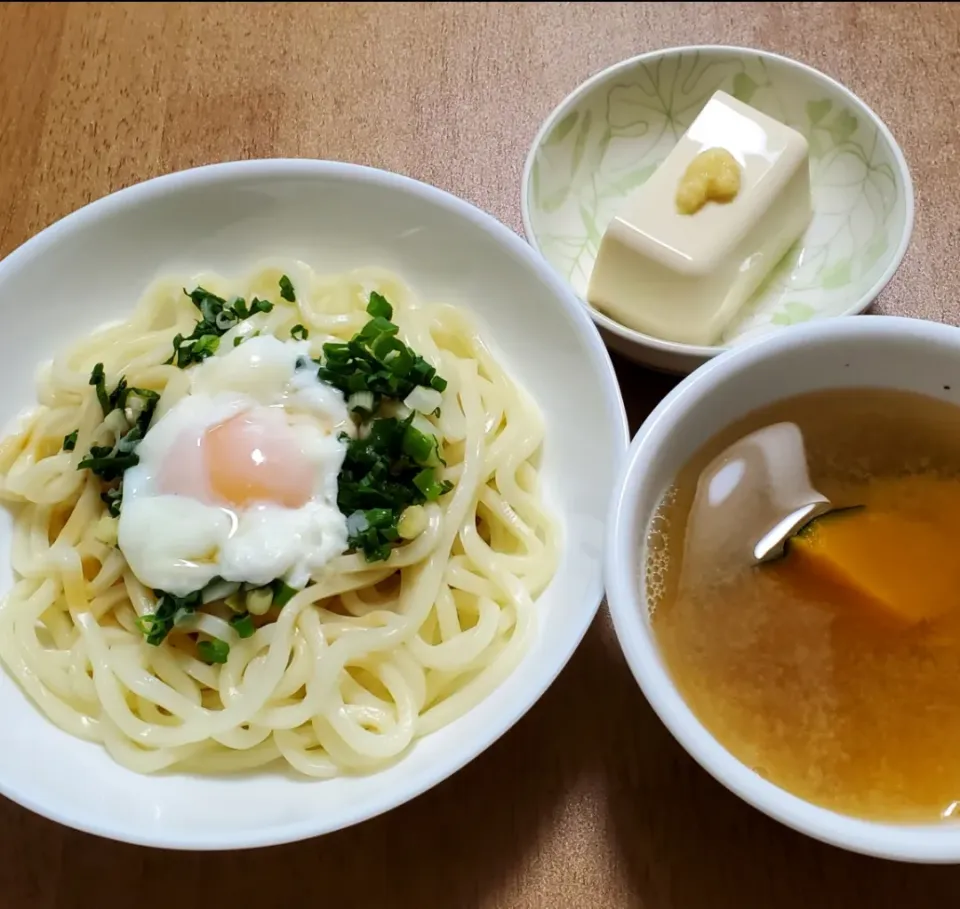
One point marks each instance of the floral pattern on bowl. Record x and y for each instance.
(610, 135)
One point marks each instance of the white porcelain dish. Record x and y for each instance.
(93, 265)
(878, 352)
(610, 133)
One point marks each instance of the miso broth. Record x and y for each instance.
(825, 698)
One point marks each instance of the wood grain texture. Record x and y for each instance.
(588, 802)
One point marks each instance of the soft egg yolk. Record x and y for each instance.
(249, 459)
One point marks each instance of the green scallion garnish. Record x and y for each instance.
(379, 307)
(158, 624)
(217, 317)
(428, 484)
(113, 499)
(394, 465)
(282, 593)
(213, 651)
(109, 462)
(420, 447)
(375, 360)
(286, 289)
(382, 475)
(243, 625)
(98, 379)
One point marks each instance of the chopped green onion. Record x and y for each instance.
(109, 463)
(361, 401)
(424, 399)
(205, 346)
(259, 600)
(430, 486)
(239, 339)
(380, 480)
(98, 380)
(169, 609)
(375, 360)
(217, 317)
(213, 651)
(182, 613)
(208, 303)
(378, 306)
(356, 523)
(412, 522)
(282, 593)
(378, 517)
(378, 327)
(145, 623)
(113, 499)
(108, 466)
(243, 625)
(299, 332)
(137, 402)
(390, 470)
(286, 289)
(420, 447)
(226, 320)
(70, 440)
(199, 295)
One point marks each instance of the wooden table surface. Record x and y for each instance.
(588, 802)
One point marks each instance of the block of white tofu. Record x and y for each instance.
(684, 277)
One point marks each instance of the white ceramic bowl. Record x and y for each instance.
(93, 265)
(608, 135)
(876, 351)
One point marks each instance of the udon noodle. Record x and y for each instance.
(357, 665)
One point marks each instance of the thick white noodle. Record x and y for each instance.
(352, 669)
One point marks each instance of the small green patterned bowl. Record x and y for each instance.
(609, 135)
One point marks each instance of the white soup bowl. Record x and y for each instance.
(871, 352)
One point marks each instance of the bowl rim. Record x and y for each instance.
(922, 843)
(698, 351)
(510, 244)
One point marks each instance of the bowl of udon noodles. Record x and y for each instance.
(304, 473)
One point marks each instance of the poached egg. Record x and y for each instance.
(238, 479)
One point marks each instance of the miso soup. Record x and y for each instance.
(833, 671)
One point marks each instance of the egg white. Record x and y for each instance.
(177, 543)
